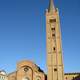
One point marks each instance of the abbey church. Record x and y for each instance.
(27, 70)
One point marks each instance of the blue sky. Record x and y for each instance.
(23, 36)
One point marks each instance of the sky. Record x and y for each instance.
(23, 33)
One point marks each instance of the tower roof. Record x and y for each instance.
(51, 6)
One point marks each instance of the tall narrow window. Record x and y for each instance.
(53, 29)
(55, 69)
(54, 48)
(52, 20)
(53, 35)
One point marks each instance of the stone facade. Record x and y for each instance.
(3, 75)
(26, 70)
(55, 65)
(54, 45)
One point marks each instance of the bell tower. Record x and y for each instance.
(54, 45)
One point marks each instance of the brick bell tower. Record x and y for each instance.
(54, 45)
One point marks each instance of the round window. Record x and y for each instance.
(26, 69)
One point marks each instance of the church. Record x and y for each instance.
(27, 70)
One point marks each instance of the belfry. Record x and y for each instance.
(54, 45)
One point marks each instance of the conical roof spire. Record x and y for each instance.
(51, 6)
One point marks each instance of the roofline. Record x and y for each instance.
(75, 73)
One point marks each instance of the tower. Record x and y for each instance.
(54, 46)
